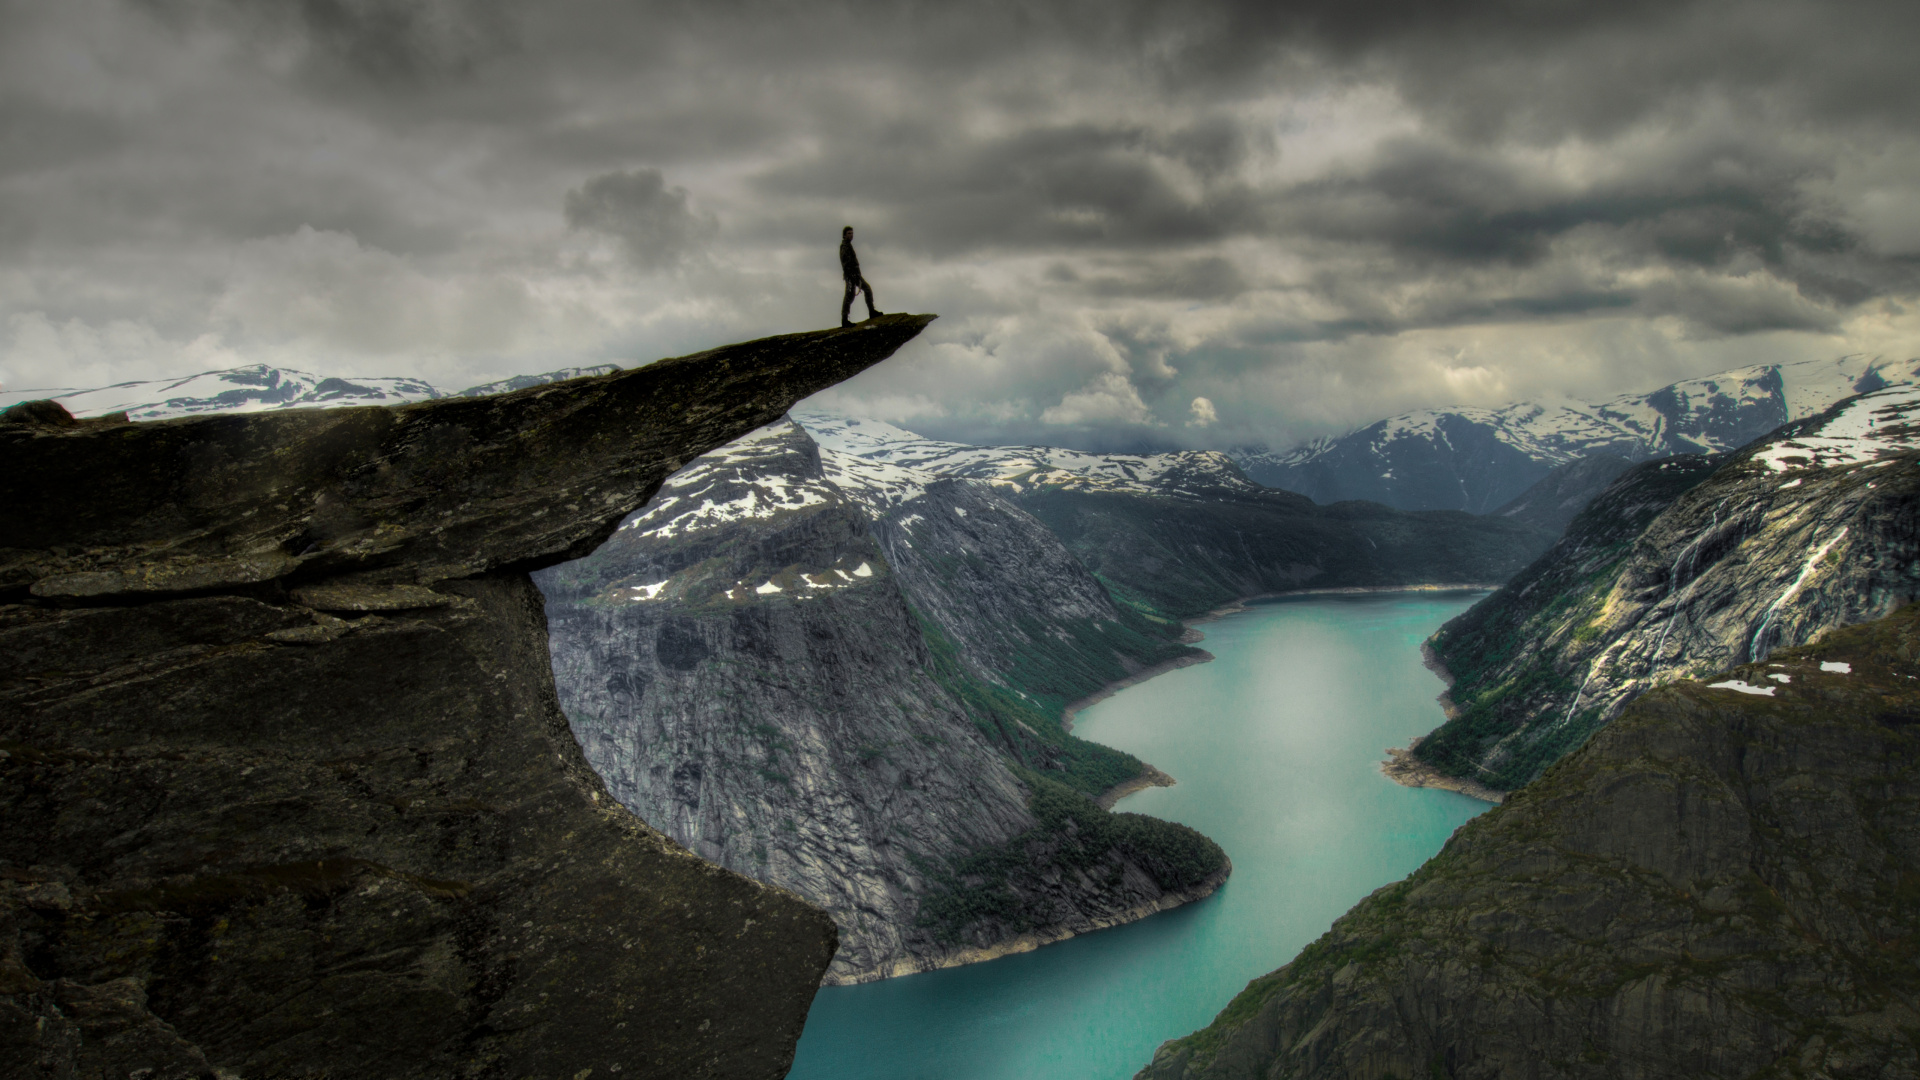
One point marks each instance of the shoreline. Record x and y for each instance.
(1404, 769)
(1150, 777)
(1401, 767)
(1199, 656)
(1034, 939)
(1240, 605)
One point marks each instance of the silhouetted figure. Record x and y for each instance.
(850, 269)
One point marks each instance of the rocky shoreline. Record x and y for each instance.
(1030, 941)
(1404, 769)
(1151, 777)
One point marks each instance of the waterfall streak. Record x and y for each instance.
(1806, 571)
(1673, 575)
(1582, 690)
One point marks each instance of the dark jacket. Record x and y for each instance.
(849, 262)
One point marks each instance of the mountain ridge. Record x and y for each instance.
(1685, 564)
(1476, 459)
(263, 387)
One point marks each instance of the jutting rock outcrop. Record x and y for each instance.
(845, 678)
(1683, 567)
(1721, 883)
(285, 785)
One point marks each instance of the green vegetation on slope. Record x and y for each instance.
(1005, 890)
(1024, 716)
(1512, 687)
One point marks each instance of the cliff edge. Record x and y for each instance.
(287, 791)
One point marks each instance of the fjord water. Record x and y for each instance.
(1275, 745)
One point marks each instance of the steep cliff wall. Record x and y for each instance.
(788, 665)
(1720, 884)
(1684, 567)
(285, 786)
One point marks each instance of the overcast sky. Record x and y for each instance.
(1203, 223)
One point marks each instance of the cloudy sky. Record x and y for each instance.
(1204, 223)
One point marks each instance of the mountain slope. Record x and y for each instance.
(1552, 503)
(845, 679)
(1685, 566)
(1477, 459)
(1183, 533)
(1720, 884)
(260, 387)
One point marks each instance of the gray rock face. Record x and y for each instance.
(1720, 884)
(746, 662)
(1684, 567)
(991, 576)
(1552, 503)
(287, 791)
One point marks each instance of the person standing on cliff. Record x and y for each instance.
(850, 270)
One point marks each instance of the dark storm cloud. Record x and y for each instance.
(1205, 278)
(652, 220)
(1118, 206)
(1047, 186)
(1710, 208)
(398, 44)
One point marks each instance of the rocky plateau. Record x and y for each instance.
(286, 785)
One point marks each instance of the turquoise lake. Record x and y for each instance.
(1276, 746)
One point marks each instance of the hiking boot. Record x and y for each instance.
(845, 325)
(872, 314)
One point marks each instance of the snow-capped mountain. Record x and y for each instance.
(1477, 459)
(259, 387)
(1019, 469)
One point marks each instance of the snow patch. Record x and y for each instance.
(1839, 666)
(1736, 684)
(1869, 426)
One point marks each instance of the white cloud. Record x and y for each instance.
(1108, 399)
(1462, 216)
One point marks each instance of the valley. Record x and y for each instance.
(837, 658)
